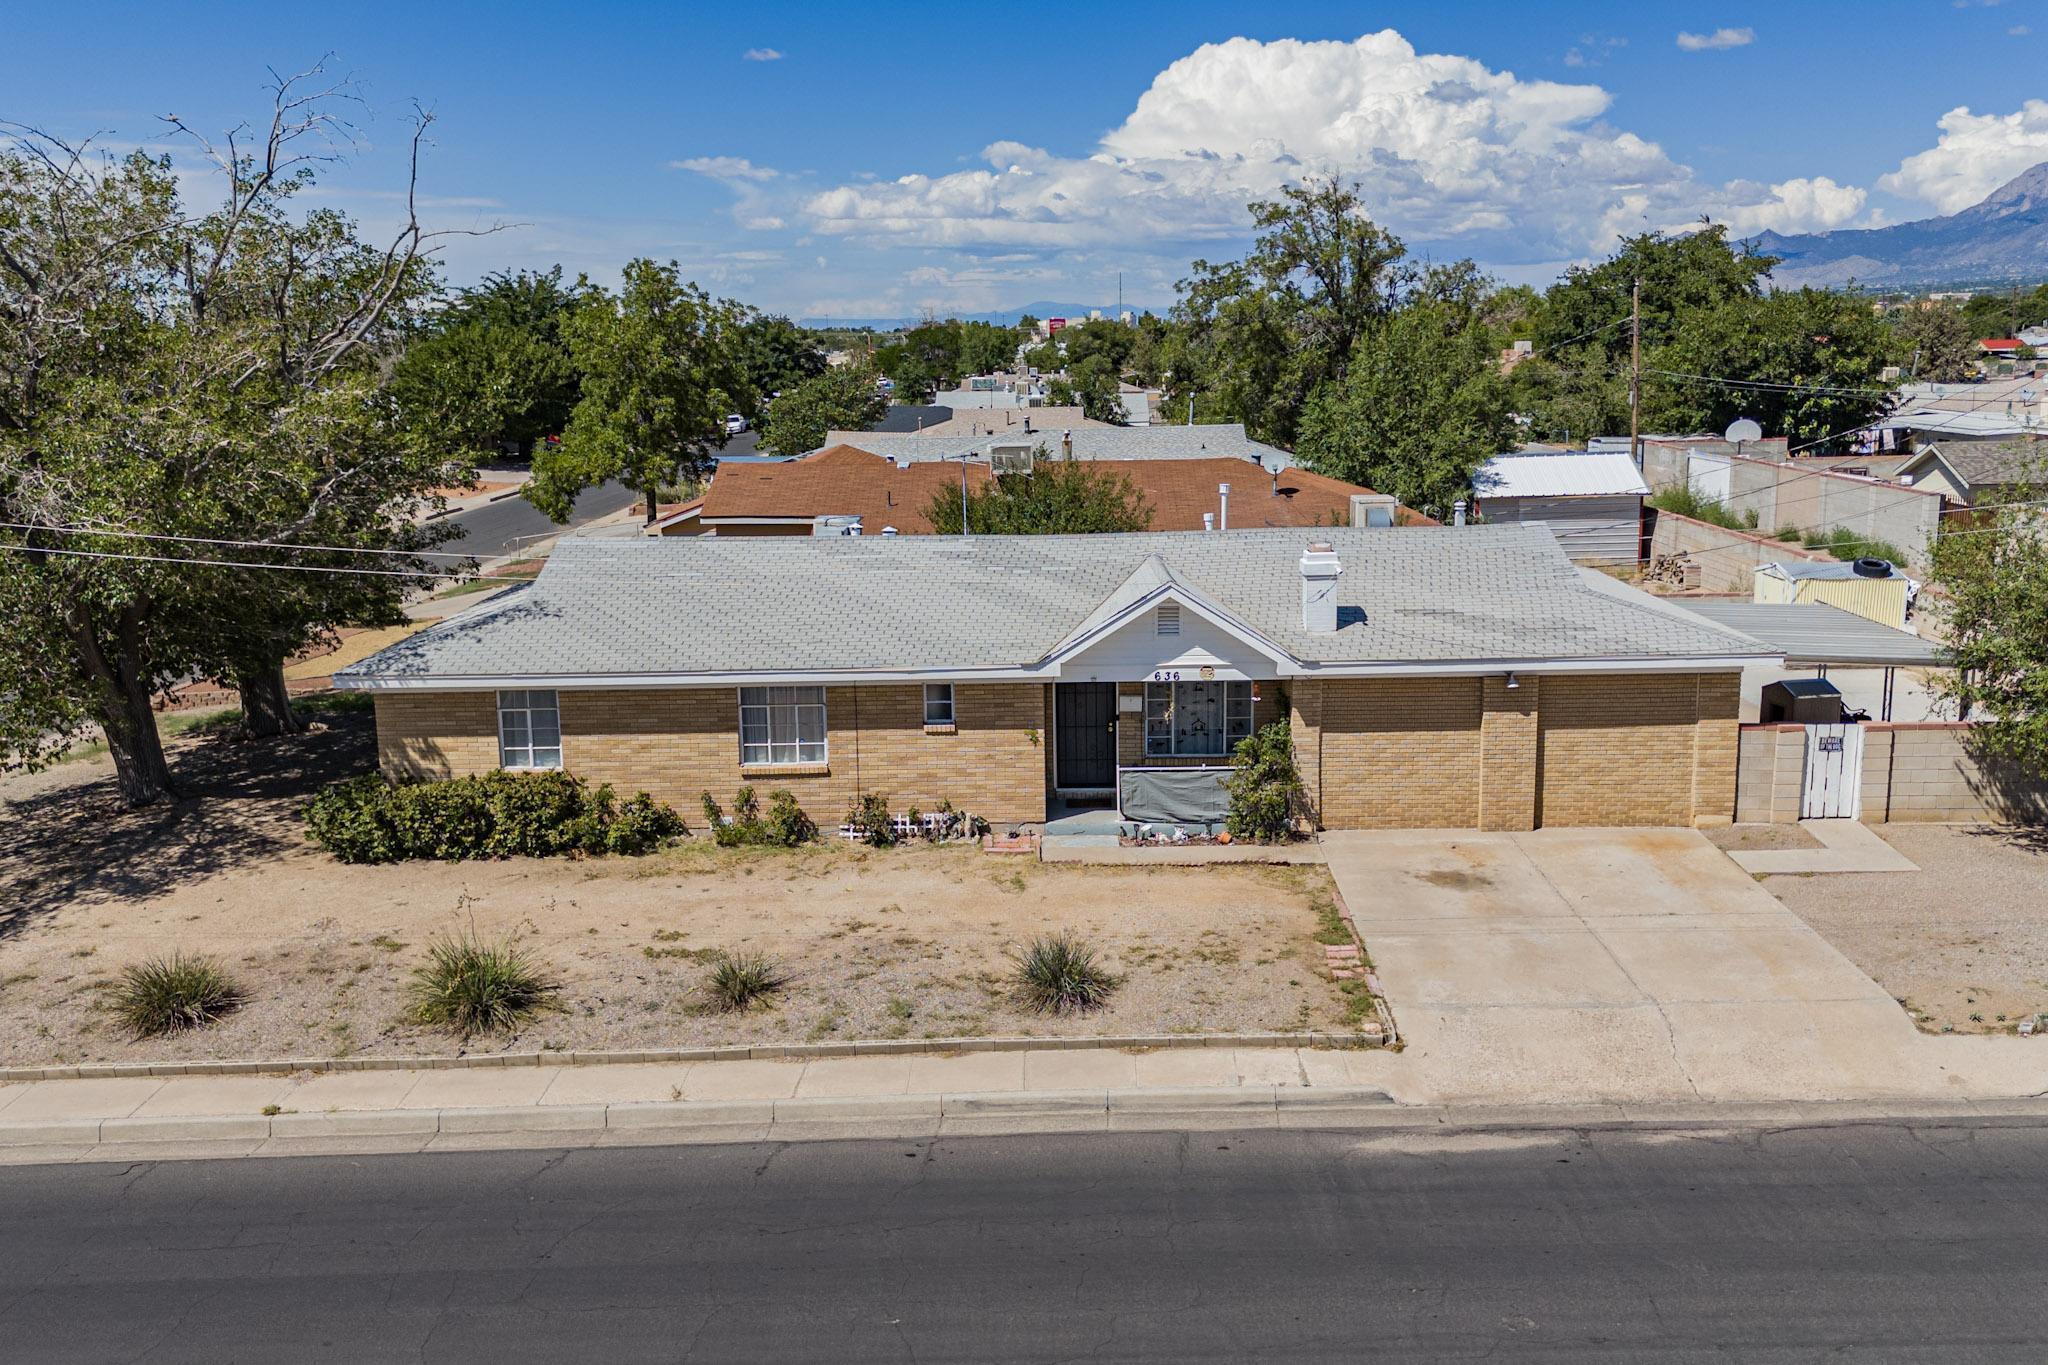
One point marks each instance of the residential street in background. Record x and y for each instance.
(1882, 1241)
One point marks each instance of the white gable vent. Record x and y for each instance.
(1169, 618)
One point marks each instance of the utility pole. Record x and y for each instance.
(1635, 376)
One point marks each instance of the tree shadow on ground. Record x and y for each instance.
(241, 799)
(2027, 838)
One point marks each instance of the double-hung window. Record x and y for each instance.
(782, 725)
(529, 730)
(1196, 719)
(938, 703)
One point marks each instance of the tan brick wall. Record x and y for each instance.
(1305, 720)
(1509, 750)
(1400, 753)
(1619, 749)
(1717, 742)
(423, 736)
(677, 742)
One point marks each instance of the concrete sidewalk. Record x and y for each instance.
(1845, 846)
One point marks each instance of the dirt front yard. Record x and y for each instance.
(1962, 943)
(906, 943)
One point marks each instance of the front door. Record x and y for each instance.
(1084, 727)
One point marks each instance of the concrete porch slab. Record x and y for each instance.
(1846, 846)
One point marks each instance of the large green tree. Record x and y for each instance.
(192, 406)
(843, 398)
(1421, 403)
(493, 367)
(662, 366)
(1806, 364)
(1256, 337)
(777, 355)
(1931, 340)
(1056, 497)
(1993, 605)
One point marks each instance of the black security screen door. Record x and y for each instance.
(1084, 718)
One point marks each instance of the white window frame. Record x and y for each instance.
(526, 718)
(938, 704)
(1163, 703)
(783, 727)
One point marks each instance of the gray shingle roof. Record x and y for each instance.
(1205, 441)
(1991, 463)
(696, 605)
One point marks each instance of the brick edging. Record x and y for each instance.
(780, 1051)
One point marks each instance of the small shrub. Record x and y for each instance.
(787, 824)
(1057, 974)
(1265, 787)
(470, 987)
(1684, 501)
(740, 981)
(869, 815)
(1845, 544)
(493, 815)
(164, 995)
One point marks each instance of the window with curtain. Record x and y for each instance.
(1196, 719)
(529, 730)
(782, 725)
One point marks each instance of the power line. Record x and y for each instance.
(243, 564)
(236, 544)
(1771, 385)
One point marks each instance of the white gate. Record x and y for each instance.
(1834, 773)
(1707, 476)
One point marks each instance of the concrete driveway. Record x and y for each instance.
(1596, 965)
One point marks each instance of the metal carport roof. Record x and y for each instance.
(1815, 633)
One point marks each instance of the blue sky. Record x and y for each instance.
(882, 159)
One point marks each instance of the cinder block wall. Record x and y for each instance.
(1928, 773)
(1561, 749)
(675, 743)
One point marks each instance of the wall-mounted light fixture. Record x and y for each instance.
(1513, 682)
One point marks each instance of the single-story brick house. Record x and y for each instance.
(1435, 677)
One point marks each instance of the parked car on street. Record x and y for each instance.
(735, 424)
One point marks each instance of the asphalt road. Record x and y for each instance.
(1867, 1243)
(501, 528)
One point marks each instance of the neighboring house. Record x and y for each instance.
(1011, 420)
(1874, 589)
(846, 491)
(1158, 442)
(1592, 502)
(1966, 473)
(1467, 678)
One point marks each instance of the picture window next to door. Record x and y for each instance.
(1196, 719)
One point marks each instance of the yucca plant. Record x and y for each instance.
(738, 981)
(1057, 974)
(468, 987)
(164, 995)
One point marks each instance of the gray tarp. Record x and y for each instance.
(1173, 796)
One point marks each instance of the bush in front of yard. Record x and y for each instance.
(164, 995)
(739, 981)
(493, 815)
(468, 987)
(869, 816)
(1265, 787)
(785, 826)
(1057, 974)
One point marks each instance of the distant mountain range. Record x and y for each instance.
(1072, 312)
(2003, 240)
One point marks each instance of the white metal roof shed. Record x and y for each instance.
(1574, 474)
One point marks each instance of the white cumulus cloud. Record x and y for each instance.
(1975, 154)
(1720, 40)
(725, 168)
(761, 54)
(1443, 148)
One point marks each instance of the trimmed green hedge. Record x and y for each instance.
(496, 815)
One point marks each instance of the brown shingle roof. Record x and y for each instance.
(843, 481)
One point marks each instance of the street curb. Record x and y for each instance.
(1365, 1112)
(882, 1047)
(483, 502)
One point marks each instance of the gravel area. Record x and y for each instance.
(1963, 942)
(905, 943)
(1759, 838)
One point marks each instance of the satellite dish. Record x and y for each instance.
(1741, 430)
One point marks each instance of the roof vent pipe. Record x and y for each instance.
(1067, 443)
(1319, 573)
(1458, 512)
(1208, 521)
(1223, 505)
